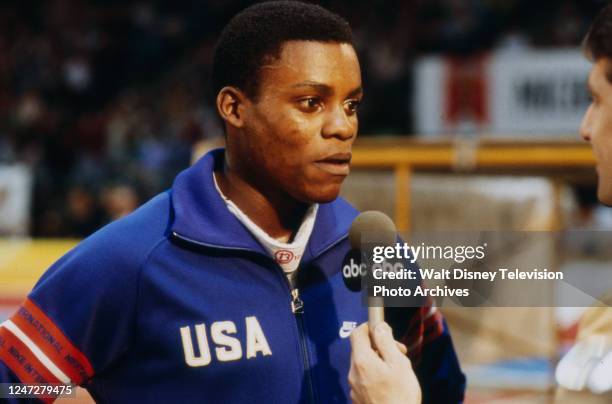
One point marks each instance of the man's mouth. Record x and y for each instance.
(335, 164)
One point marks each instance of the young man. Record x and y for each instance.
(228, 287)
(589, 364)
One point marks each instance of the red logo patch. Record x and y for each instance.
(283, 256)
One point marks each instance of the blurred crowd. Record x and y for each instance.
(105, 99)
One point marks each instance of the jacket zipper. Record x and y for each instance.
(296, 306)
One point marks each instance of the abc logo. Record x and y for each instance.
(388, 267)
(354, 269)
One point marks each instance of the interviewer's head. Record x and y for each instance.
(596, 125)
(287, 84)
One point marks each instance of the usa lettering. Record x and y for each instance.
(226, 347)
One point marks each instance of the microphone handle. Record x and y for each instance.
(376, 312)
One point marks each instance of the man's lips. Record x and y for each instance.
(335, 164)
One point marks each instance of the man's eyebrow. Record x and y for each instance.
(356, 92)
(325, 89)
(320, 87)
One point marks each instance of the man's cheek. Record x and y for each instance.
(604, 190)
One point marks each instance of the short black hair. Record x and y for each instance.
(598, 41)
(255, 36)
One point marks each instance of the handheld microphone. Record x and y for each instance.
(372, 228)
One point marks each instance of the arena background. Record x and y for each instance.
(469, 123)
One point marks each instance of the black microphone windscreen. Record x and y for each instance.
(374, 228)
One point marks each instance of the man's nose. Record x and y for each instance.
(585, 125)
(339, 125)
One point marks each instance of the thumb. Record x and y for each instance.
(401, 347)
(385, 344)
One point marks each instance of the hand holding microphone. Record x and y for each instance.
(380, 371)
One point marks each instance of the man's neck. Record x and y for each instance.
(276, 213)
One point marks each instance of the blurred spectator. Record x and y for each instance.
(83, 215)
(119, 201)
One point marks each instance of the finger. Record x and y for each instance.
(385, 344)
(401, 347)
(361, 345)
(354, 374)
(354, 397)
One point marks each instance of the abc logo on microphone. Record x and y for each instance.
(353, 270)
(357, 270)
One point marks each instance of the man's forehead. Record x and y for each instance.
(301, 63)
(313, 54)
(299, 45)
(600, 74)
(592, 79)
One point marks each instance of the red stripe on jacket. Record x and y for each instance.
(22, 362)
(52, 341)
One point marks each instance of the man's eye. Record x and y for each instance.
(310, 103)
(352, 106)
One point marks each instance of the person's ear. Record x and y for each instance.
(230, 105)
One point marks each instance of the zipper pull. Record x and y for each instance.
(297, 305)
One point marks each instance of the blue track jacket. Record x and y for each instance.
(178, 302)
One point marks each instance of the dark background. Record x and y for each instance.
(105, 99)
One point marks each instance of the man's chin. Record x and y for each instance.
(322, 195)
(605, 196)
(326, 199)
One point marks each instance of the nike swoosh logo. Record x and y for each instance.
(345, 333)
(346, 329)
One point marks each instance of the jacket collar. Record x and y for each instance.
(201, 216)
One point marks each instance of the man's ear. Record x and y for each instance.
(230, 105)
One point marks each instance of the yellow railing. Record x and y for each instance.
(404, 156)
